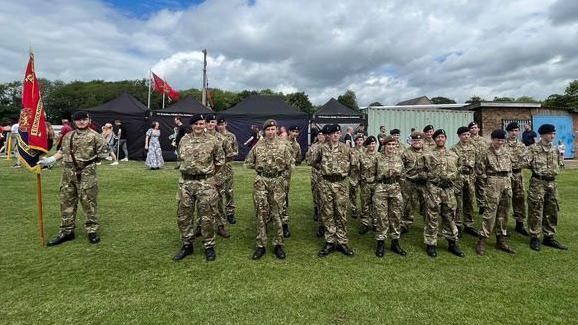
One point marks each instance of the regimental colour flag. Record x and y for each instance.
(162, 86)
(32, 134)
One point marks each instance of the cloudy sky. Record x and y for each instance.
(385, 51)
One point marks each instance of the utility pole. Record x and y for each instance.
(205, 77)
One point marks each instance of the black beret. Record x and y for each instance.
(417, 136)
(332, 128)
(512, 125)
(428, 127)
(210, 117)
(463, 129)
(472, 124)
(546, 128)
(293, 128)
(498, 134)
(80, 115)
(395, 131)
(221, 119)
(197, 117)
(438, 132)
(369, 140)
(324, 129)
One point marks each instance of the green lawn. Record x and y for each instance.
(130, 278)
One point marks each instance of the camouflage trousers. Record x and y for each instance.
(368, 214)
(413, 196)
(268, 198)
(315, 191)
(465, 192)
(518, 199)
(543, 207)
(71, 191)
(440, 212)
(287, 188)
(224, 185)
(498, 198)
(202, 195)
(388, 203)
(480, 192)
(354, 188)
(334, 204)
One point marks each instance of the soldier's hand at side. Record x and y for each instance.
(47, 162)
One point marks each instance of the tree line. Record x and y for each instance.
(61, 99)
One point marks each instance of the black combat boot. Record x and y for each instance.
(279, 252)
(93, 238)
(380, 248)
(396, 247)
(535, 243)
(363, 229)
(551, 242)
(259, 252)
(221, 231)
(186, 250)
(328, 249)
(286, 232)
(520, 229)
(320, 231)
(60, 238)
(343, 248)
(210, 254)
(481, 246)
(431, 250)
(471, 231)
(354, 213)
(403, 230)
(454, 249)
(231, 219)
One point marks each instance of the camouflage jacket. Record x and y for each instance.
(270, 157)
(467, 155)
(296, 149)
(200, 154)
(230, 145)
(368, 166)
(388, 166)
(518, 153)
(494, 161)
(479, 142)
(309, 154)
(87, 145)
(441, 167)
(335, 160)
(429, 144)
(544, 160)
(414, 164)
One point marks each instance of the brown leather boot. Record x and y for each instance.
(481, 246)
(221, 231)
(502, 244)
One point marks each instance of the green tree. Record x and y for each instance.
(10, 101)
(300, 100)
(504, 99)
(442, 100)
(475, 99)
(349, 99)
(526, 99)
(376, 104)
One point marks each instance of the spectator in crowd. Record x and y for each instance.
(63, 130)
(14, 143)
(121, 135)
(255, 136)
(282, 133)
(529, 136)
(110, 140)
(154, 159)
(51, 135)
(408, 139)
(348, 138)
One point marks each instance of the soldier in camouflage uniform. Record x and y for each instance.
(221, 175)
(387, 198)
(428, 141)
(481, 144)
(442, 172)
(271, 157)
(465, 184)
(81, 149)
(336, 162)
(315, 179)
(518, 153)
(496, 166)
(396, 134)
(543, 201)
(227, 171)
(414, 185)
(367, 177)
(296, 153)
(201, 156)
(354, 182)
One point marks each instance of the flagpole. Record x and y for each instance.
(163, 98)
(40, 212)
(149, 98)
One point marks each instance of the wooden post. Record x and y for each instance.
(9, 147)
(40, 212)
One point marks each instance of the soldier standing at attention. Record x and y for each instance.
(296, 153)
(387, 198)
(81, 149)
(367, 177)
(414, 186)
(543, 206)
(481, 144)
(227, 170)
(442, 172)
(201, 156)
(315, 179)
(380, 137)
(428, 142)
(271, 157)
(354, 182)
(220, 174)
(496, 165)
(336, 161)
(396, 134)
(465, 184)
(519, 154)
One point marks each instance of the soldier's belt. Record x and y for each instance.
(499, 174)
(544, 178)
(517, 170)
(389, 180)
(269, 174)
(189, 177)
(333, 178)
(417, 181)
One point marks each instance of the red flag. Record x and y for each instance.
(32, 133)
(162, 86)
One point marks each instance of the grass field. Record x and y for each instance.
(130, 278)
